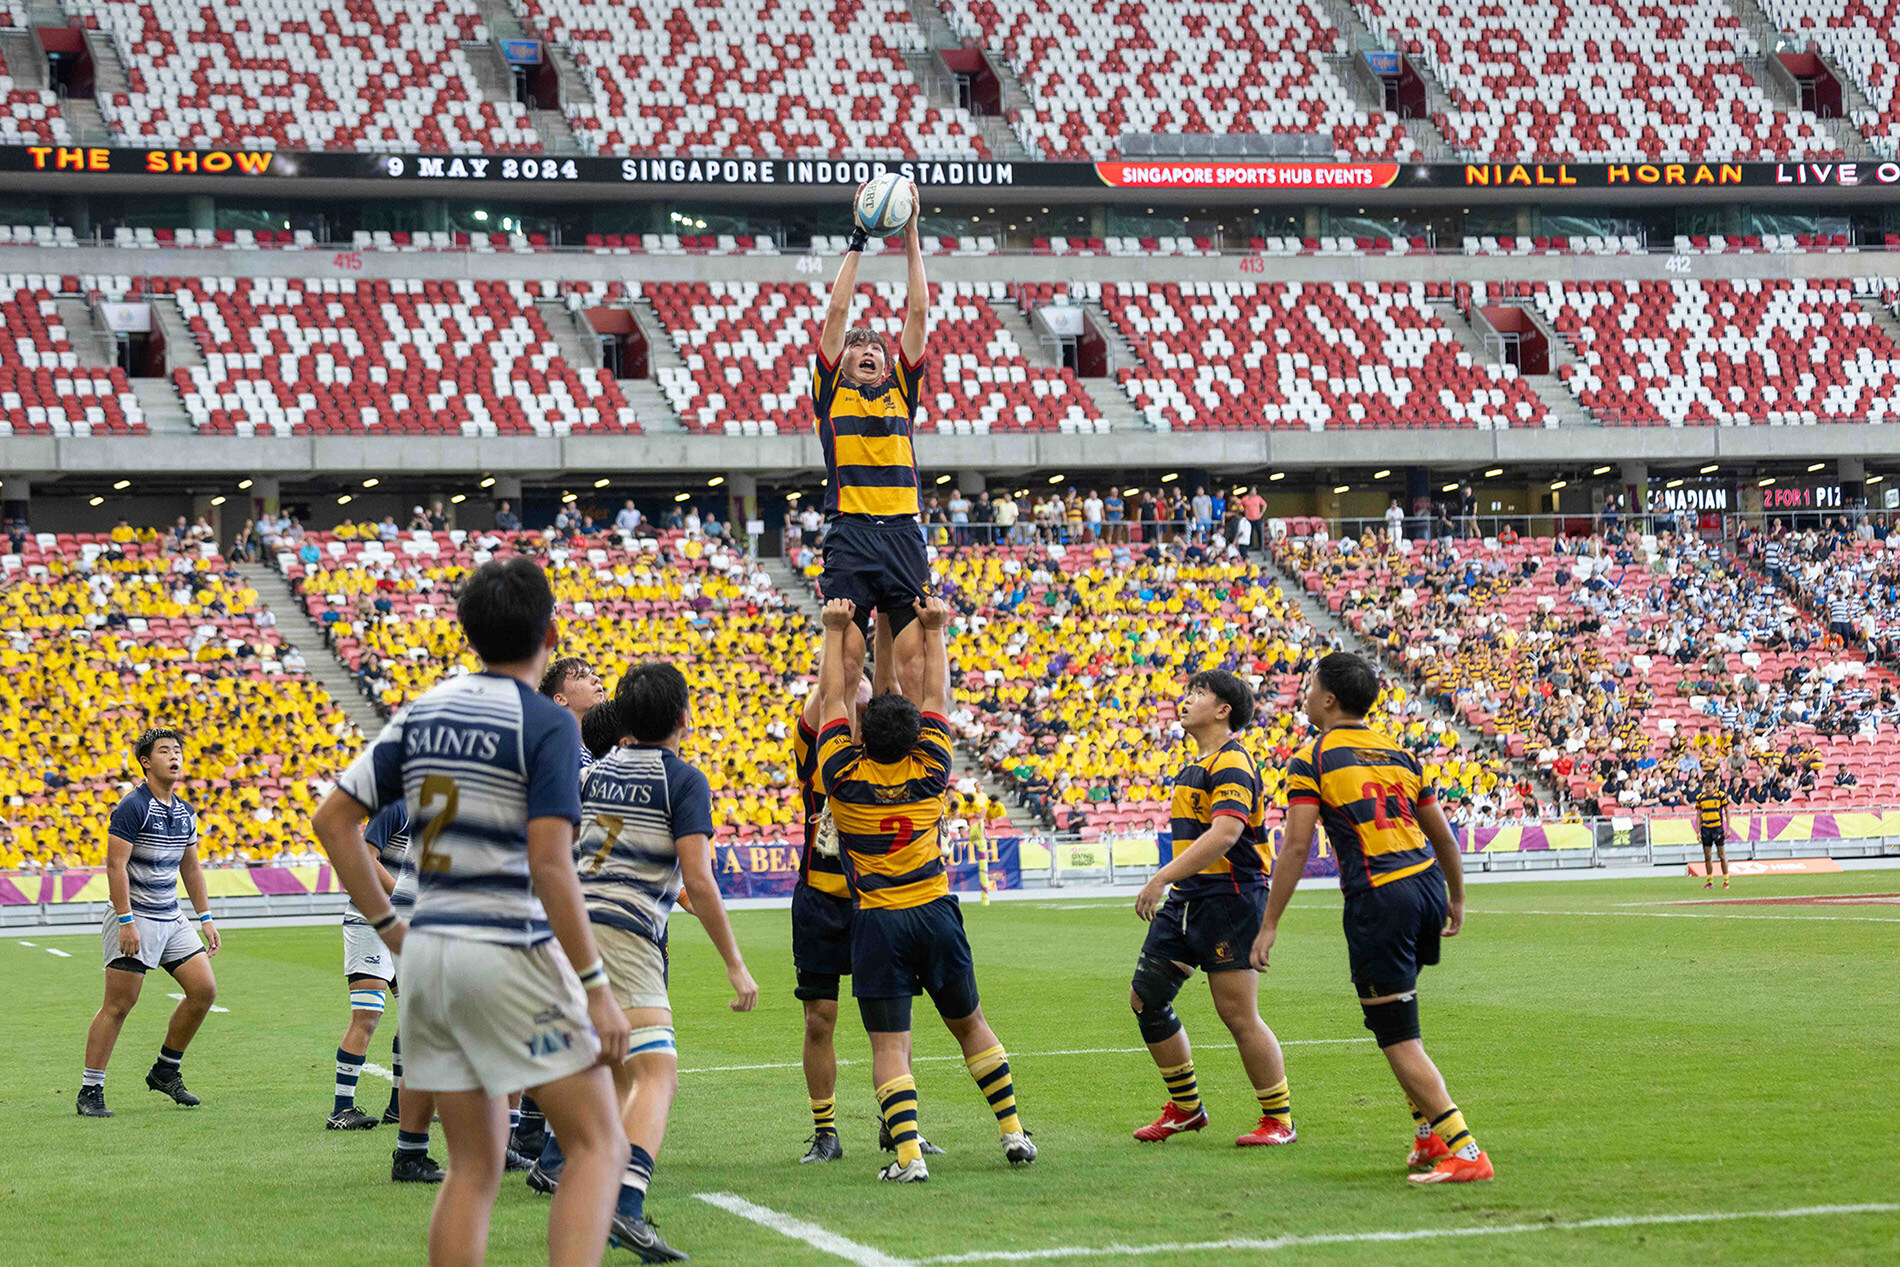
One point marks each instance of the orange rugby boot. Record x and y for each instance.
(1427, 1151)
(1455, 1169)
(1172, 1122)
(1271, 1131)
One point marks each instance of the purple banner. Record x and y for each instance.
(277, 882)
(10, 894)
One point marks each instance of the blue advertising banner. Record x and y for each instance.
(772, 870)
(1383, 64)
(521, 52)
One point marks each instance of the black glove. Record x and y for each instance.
(858, 238)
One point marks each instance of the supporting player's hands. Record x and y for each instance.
(932, 613)
(610, 1023)
(213, 942)
(838, 613)
(1454, 919)
(744, 989)
(1149, 900)
(1263, 946)
(129, 940)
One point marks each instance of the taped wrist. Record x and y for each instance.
(858, 238)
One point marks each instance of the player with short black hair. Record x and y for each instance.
(493, 1002)
(907, 933)
(602, 730)
(865, 404)
(572, 683)
(152, 844)
(646, 831)
(1209, 917)
(1711, 807)
(1404, 884)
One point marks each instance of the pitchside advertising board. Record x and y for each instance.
(794, 173)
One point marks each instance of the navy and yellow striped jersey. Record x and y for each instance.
(866, 433)
(888, 816)
(1225, 783)
(1368, 790)
(826, 874)
(1709, 807)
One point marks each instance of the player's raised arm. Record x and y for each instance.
(832, 687)
(934, 697)
(838, 311)
(917, 300)
(883, 657)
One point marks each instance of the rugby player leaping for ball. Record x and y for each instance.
(864, 405)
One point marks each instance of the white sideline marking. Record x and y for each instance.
(49, 950)
(1082, 906)
(1835, 919)
(799, 1230)
(28, 943)
(380, 1072)
(214, 1006)
(1023, 1055)
(1418, 1234)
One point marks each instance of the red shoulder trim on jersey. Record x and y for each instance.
(1228, 813)
(1302, 799)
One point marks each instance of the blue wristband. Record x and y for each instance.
(125, 919)
(203, 916)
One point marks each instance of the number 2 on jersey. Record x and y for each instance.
(901, 829)
(436, 787)
(1377, 794)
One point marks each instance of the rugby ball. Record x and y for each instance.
(884, 204)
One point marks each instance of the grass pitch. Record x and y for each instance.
(1623, 1060)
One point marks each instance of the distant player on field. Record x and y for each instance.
(490, 1004)
(152, 843)
(369, 970)
(1711, 808)
(865, 403)
(1404, 885)
(646, 828)
(1209, 919)
(885, 791)
(412, 1111)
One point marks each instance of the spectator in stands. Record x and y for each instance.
(1007, 527)
(1843, 777)
(1093, 511)
(958, 508)
(1395, 521)
(1443, 529)
(628, 520)
(506, 520)
(387, 531)
(418, 520)
(1203, 510)
(1468, 512)
(438, 517)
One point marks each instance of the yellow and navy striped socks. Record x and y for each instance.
(1450, 1126)
(991, 1071)
(1276, 1102)
(1421, 1129)
(1183, 1087)
(824, 1116)
(897, 1101)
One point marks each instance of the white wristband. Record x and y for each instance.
(594, 974)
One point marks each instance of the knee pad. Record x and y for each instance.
(650, 1038)
(1394, 1022)
(368, 1000)
(1156, 983)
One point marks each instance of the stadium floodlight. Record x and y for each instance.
(1494, 471)
(1057, 479)
(793, 496)
(98, 501)
(715, 481)
(1558, 484)
(1816, 467)
(489, 482)
(343, 499)
(1449, 488)
(1276, 477)
(482, 216)
(570, 497)
(1379, 475)
(1764, 481)
(602, 482)
(1875, 479)
(458, 499)
(1342, 488)
(1673, 484)
(680, 497)
(122, 485)
(1711, 468)
(1170, 477)
(218, 500)
(943, 479)
(1601, 470)
(243, 484)
(371, 482)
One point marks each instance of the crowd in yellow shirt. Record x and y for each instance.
(79, 681)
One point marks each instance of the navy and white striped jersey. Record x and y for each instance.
(636, 804)
(388, 835)
(160, 832)
(475, 759)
